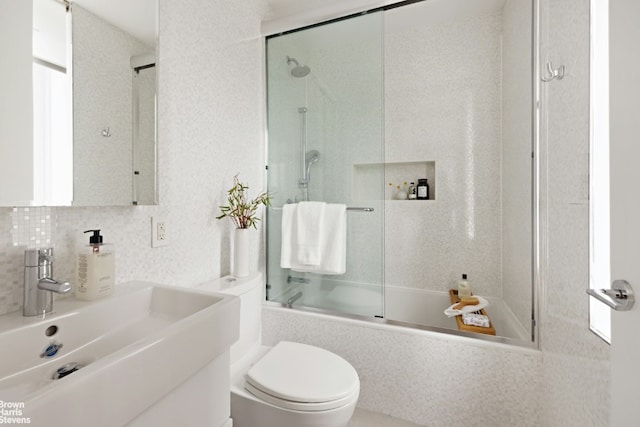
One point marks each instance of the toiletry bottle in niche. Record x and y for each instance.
(464, 287)
(412, 194)
(96, 269)
(423, 189)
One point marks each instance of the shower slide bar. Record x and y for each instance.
(279, 208)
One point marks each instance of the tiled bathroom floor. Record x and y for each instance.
(365, 418)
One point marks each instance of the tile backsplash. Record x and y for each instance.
(32, 227)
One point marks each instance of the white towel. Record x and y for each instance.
(451, 312)
(333, 259)
(476, 320)
(333, 240)
(309, 223)
(287, 234)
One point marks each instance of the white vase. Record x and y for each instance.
(241, 239)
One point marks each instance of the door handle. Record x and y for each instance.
(619, 297)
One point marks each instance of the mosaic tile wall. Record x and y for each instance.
(443, 104)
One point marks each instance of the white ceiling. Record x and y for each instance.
(136, 17)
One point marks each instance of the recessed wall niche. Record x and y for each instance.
(367, 178)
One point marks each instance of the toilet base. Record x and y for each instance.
(246, 412)
(249, 411)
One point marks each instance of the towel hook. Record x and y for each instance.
(553, 74)
(106, 132)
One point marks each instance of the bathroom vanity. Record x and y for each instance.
(150, 355)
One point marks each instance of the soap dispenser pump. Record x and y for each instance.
(95, 240)
(96, 268)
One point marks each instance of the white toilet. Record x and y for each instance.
(288, 385)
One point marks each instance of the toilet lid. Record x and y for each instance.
(307, 377)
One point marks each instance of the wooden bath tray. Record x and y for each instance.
(453, 295)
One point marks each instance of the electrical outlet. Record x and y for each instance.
(161, 231)
(158, 233)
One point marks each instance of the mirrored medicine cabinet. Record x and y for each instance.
(78, 119)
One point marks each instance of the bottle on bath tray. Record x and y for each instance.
(464, 287)
(96, 269)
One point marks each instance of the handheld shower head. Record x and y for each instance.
(310, 158)
(299, 70)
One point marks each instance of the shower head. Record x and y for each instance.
(299, 70)
(310, 158)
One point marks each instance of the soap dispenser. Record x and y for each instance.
(96, 269)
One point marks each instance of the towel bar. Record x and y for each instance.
(279, 208)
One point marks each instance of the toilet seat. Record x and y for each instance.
(303, 378)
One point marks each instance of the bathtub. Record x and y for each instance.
(410, 307)
(424, 307)
(420, 374)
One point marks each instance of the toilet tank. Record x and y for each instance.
(250, 291)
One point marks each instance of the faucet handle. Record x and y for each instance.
(48, 284)
(38, 257)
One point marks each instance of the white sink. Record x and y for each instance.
(135, 347)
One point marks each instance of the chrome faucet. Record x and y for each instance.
(39, 282)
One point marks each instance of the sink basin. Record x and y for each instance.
(133, 348)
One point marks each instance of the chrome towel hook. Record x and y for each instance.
(553, 74)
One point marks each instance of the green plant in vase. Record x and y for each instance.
(243, 212)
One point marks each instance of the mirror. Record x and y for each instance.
(79, 126)
(114, 45)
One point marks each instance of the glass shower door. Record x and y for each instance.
(326, 143)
